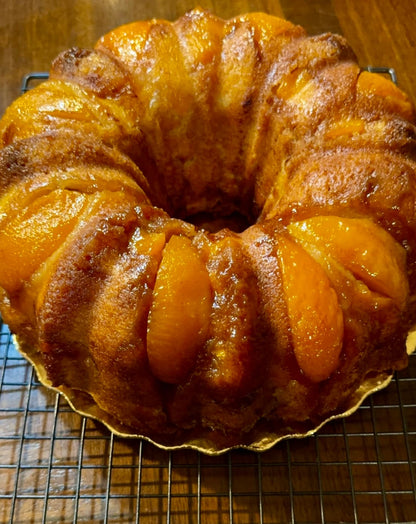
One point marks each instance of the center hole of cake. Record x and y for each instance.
(235, 221)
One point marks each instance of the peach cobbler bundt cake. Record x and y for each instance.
(207, 229)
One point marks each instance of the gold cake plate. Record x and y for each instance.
(262, 440)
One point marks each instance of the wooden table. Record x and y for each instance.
(58, 467)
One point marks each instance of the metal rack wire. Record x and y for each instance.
(56, 466)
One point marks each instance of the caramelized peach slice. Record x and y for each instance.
(126, 42)
(31, 237)
(150, 244)
(394, 98)
(315, 317)
(361, 246)
(346, 127)
(292, 83)
(266, 27)
(179, 315)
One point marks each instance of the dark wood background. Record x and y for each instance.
(33, 32)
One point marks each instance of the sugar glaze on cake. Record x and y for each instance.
(207, 229)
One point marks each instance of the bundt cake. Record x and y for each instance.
(208, 229)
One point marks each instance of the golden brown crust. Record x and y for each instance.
(306, 304)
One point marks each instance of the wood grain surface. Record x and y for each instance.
(33, 32)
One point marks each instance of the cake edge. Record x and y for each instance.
(83, 404)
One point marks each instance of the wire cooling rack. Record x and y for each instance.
(56, 466)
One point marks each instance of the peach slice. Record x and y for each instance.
(315, 317)
(346, 127)
(362, 247)
(373, 84)
(292, 83)
(179, 315)
(150, 244)
(31, 237)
